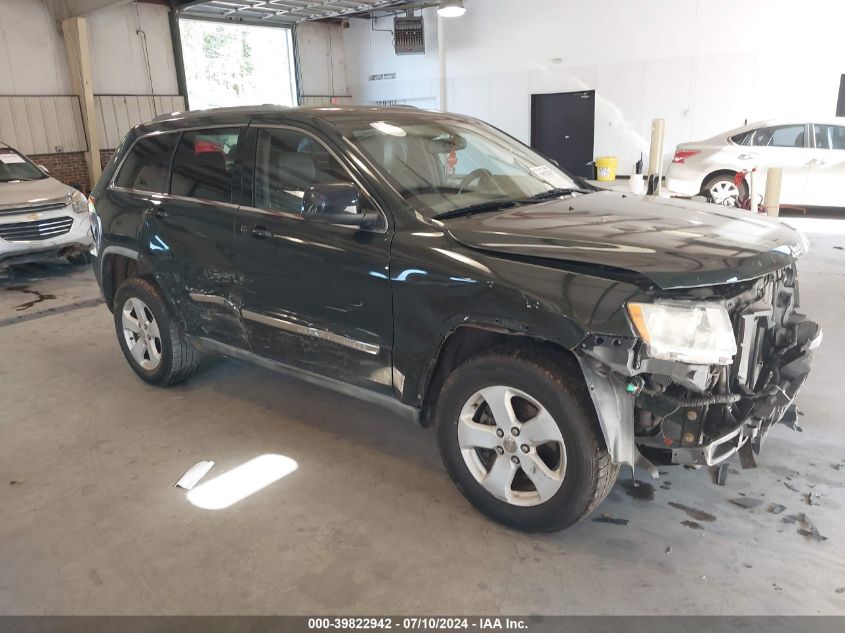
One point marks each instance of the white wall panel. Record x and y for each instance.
(130, 48)
(680, 60)
(42, 125)
(320, 102)
(322, 62)
(120, 113)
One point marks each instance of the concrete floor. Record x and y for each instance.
(369, 523)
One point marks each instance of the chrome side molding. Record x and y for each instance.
(296, 328)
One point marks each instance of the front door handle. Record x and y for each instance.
(258, 232)
(745, 156)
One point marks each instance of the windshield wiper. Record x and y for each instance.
(492, 205)
(557, 193)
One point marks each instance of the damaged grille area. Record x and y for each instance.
(686, 413)
(681, 417)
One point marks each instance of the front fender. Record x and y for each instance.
(615, 411)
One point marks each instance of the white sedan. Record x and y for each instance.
(812, 156)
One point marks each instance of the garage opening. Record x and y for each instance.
(236, 64)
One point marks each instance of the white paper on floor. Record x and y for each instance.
(193, 475)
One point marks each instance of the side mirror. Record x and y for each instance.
(336, 203)
(44, 169)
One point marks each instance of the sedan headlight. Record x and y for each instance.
(79, 202)
(697, 334)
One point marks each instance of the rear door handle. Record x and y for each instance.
(258, 232)
(157, 212)
(745, 156)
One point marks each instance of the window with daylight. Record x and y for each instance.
(235, 64)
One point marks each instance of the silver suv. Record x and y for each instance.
(40, 217)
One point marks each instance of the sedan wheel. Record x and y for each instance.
(512, 445)
(724, 192)
(141, 333)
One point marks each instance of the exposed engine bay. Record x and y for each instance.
(683, 413)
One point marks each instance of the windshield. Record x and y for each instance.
(14, 166)
(443, 165)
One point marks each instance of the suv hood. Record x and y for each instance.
(28, 193)
(674, 243)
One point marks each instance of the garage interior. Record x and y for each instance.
(365, 520)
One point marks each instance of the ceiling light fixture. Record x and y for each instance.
(451, 8)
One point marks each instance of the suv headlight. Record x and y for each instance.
(78, 202)
(697, 334)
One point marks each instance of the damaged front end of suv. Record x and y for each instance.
(711, 371)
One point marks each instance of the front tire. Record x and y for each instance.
(519, 437)
(152, 341)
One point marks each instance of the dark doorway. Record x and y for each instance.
(563, 126)
(840, 105)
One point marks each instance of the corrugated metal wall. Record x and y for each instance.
(325, 101)
(53, 124)
(42, 124)
(119, 113)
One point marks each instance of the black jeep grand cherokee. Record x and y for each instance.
(550, 332)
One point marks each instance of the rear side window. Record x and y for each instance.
(779, 136)
(203, 167)
(830, 136)
(146, 165)
(742, 139)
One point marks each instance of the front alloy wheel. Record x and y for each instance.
(511, 445)
(518, 433)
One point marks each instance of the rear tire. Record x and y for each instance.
(722, 190)
(556, 423)
(151, 339)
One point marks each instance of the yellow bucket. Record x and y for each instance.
(606, 168)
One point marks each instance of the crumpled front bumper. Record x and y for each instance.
(660, 412)
(774, 406)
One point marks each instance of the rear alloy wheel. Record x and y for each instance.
(152, 341)
(141, 333)
(724, 191)
(518, 433)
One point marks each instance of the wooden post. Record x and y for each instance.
(655, 157)
(752, 191)
(441, 61)
(771, 198)
(75, 31)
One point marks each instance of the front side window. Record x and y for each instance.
(440, 165)
(203, 166)
(830, 136)
(287, 162)
(779, 136)
(146, 166)
(15, 166)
